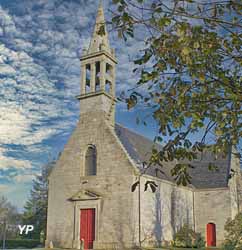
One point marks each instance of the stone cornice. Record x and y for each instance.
(91, 94)
(99, 53)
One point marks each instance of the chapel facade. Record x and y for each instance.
(90, 198)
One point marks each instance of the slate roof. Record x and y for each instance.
(139, 149)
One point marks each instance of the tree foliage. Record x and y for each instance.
(233, 236)
(35, 209)
(9, 218)
(189, 74)
(187, 237)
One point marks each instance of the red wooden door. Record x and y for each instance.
(211, 235)
(87, 227)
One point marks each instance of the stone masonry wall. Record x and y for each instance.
(115, 175)
(212, 206)
(163, 212)
(235, 186)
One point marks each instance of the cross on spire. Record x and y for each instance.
(100, 3)
(99, 39)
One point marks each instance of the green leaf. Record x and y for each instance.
(134, 186)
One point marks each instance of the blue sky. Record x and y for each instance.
(40, 47)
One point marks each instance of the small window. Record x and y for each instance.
(108, 87)
(97, 83)
(88, 78)
(109, 68)
(91, 161)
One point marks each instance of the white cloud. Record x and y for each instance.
(22, 44)
(7, 162)
(38, 136)
(40, 75)
(3, 188)
(13, 125)
(28, 99)
(24, 178)
(7, 24)
(7, 70)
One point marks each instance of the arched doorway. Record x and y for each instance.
(211, 235)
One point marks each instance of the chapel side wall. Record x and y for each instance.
(115, 175)
(164, 211)
(212, 206)
(240, 191)
(235, 186)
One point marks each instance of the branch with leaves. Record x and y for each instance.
(190, 68)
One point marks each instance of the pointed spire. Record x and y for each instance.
(99, 39)
(100, 4)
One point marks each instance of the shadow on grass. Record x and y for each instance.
(181, 248)
(148, 248)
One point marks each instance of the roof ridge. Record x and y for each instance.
(136, 133)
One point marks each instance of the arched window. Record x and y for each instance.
(91, 161)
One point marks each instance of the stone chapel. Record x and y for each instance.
(90, 196)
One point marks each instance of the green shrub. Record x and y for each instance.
(21, 243)
(233, 235)
(186, 237)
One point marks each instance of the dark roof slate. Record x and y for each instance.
(139, 149)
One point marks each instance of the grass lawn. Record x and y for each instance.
(163, 248)
(213, 248)
(180, 248)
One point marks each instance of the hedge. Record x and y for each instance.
(20, 243)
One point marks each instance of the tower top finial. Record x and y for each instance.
(99, 39)
(100, 4)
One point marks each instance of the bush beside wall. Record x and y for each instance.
(21, 243)
(186, 237)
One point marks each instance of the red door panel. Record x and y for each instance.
(211, 235)
(87, 227)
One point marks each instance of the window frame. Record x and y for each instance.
(93, 155)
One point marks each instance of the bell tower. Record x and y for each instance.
(98, 65)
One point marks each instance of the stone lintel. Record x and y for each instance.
(97, 93)
(85, 195)
(99, 53)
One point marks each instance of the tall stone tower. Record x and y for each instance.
(98, 64)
